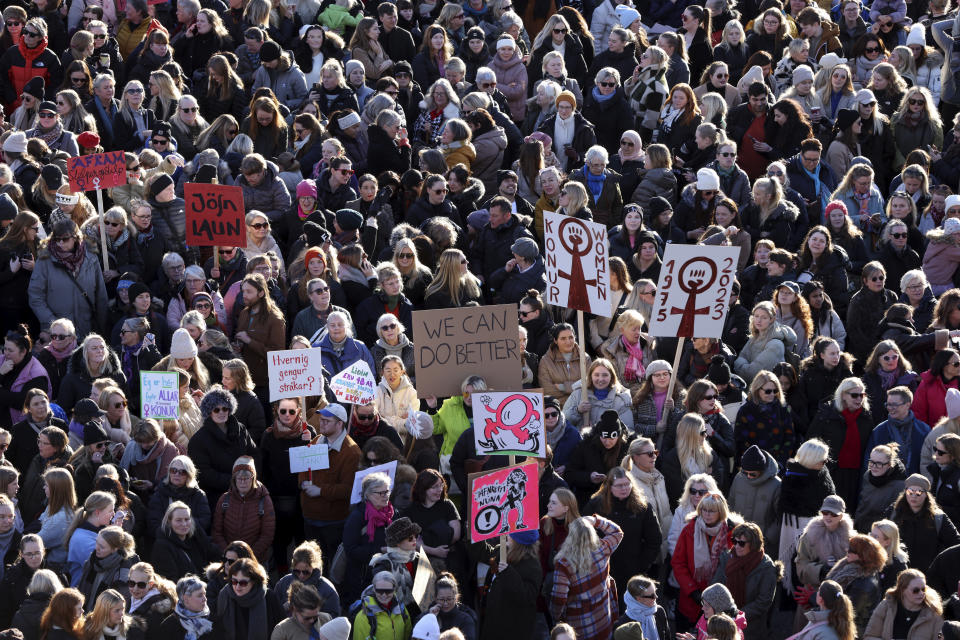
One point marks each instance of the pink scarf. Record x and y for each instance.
(377, 518)
(634, 369)
(61, 355)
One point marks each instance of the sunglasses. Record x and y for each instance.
(889, 358)
(917, 590)
(288, 412)
(652, 454)
(239, 583)
(740, 543)
(135, 90)
(99, 36)
(878, 279)
(872, 49)
(405, 256)
(365, 417)
(608, 85)
(440, 191)
(139, 585)
(176, 471)
(940, 452)
(488, 85)
(915, 102)
(384, 592)
(855, 395)
(59, 336)
(223, 252)
(14, 23)
(113, 223)
(699, 492)
(189, 109)
(77, 80)
(159, 142)
(47, 114)
(100, 445)
(829, 514)
(119, 405)
(768, 392)
(63, 239)
(320, 290)
(727, 154)
(551, 414)
(302, 572)
(136, 169)
(898, 236)
(221, 410)
(914, 491)
(260, 225)
(346, 172)
(203, 305)
(713, 397)
(32, 34)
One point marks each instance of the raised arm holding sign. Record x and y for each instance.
(98, 171)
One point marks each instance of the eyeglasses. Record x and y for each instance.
(47, 114)
(916, 492)
(382, 494)
(898, 236)
(364, 417)
(740, 543)
(405, 256)
(203, 305)
(346, 172)
(320, 290)
(221, 410)
(915, 102)
(713, 397)
(99, 36)
(439, 191)
(120, 404)
(551, 414)
(559, 31)
(876, 464)
(260, 225)
(32, 554)
(100, 445)
(890, 359)
(917, 590)
(651, 454)
(607, 85)
(878, 279)
(488, 85)
(721, 75)
(113, 223)
(829, 514)
(133, 169)
(239, 583)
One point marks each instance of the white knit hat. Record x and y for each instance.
(830, 60)
(506, 41)
(951, 226)
(16, 143)
(182, 345)
(708, 180)
(952, 201)
(336, 629)
(427, 628)
(917, 35)
(801, 74)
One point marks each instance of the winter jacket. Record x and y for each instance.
(617, 400)
(946, 488)
(79, 381)
(584, 137)
(925, 627)
(56, 293)
(655, 182)
(803, 490)
(801, 181)
(174, 558)
(511, 596)
(940, 260)
(829, 425)
(910, 443)
(512, 286)
(675, 475)
(929, 400)
(816, 384)
(777, 227)
(924, 537)
(923, 136)
(817, 545)
(385, 154)
(877, 495)
(165, 494)
(756, 356)
(757, 499)
(610, 118)
(27, 617)
(492, 247)
(512, 81)
(214, 453)
(249, 517)
(19, 64)
(556, 375)
(353, 350)
(270, 196)
(602, 22)
(608, 208)
(759, 591)
(684, 564)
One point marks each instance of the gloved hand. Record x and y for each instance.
(310, 489)
(802, 595)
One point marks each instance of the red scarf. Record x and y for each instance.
(738, 568)
(850, 456)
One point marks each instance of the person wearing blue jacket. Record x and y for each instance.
(339, 349)
(562, 437)
(902, 427)
(97, 513)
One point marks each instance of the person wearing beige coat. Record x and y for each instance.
(560, 365)
(923, 607)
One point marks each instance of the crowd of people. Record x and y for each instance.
(797, 476)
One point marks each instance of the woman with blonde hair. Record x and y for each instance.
(574, 201)
(108, 619)
(164, 95)
(414, 275)
(108, 565)
(579, 595)
(887, 533)
(768, 342)
(562, 510)
(134, 123)
(152, 597)
(179, 485)
(71, 206)
(604, 393)
(222, 131)
(453, 285)
(629, 349)
(911, 602)
(840, 82)
(916, 124)
(691, 455)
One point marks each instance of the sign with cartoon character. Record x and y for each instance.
(578, 274)
(509, 422)
(504, 501)
(693, 294)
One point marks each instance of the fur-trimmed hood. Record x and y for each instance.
(828, 544)
(938, 236)
(78, 366)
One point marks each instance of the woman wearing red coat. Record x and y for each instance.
(929, 400)
(704, 538)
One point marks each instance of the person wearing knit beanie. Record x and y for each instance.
(182, 346)
(917, 36)
(719, 371)
(753, 459)
(626, 15)
(206, 174)
(136, 289)
(427, 628)
(952, 401)
(720, 599)
(336, 629)
(801, 74)
(161, 182)
(629, 631)
(918, 481)
(566, 96)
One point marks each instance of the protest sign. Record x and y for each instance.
(504, 501)
(97, 171)
(509, 422)
(454, 343)
(309, 458)
(389, 468)
(159, 395)
(578, 276)
(355, 384)
(294, 373)
(694, 291)
(215, 216)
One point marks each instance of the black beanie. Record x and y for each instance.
(550, 401)
(94, 433)
(8, 208)
(136, 289)
(719, 371)
(206, 174)
(658, 205)
(162, 182)
(35, 87)
(315, 234)
(609, 422)
(753, 459)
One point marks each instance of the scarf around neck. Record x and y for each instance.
(377, 518)
(738, 568)
(255, 601)
(50, 136)
(196, 624)
(634, 369)
(62, 354)
(706, 553)
(70, 259)
(599, 97)
(645, 614)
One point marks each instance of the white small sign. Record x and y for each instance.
(355, 384)
(693, 294)
(294, 373)
(390, 468)
(312, 457)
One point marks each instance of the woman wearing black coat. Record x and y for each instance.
(621, 501)
(194, 49)
(387, 151)
(573, 58)
(610, 116)
(181, 546)
(624, 60)
(510, 603)
(830, 425)
(820, 375)
(127, 131)
(944, 472)
(180, 485)
(591, 459)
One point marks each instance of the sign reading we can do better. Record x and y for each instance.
(693, 295)
(578, 276)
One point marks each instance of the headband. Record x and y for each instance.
(63, 198)
(349, 120)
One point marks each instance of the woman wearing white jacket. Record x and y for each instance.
(395, 396)
(769, 341)
(604, 393)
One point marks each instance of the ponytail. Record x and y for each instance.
(96, 501)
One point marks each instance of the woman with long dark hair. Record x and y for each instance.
(826, 262)
(924, 528)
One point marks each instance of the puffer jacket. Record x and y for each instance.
(602, 22)
(736, 184)
(391, 404)
(926, 627)
(655, 182)
(756, 356)
(490, 147)
(877, 495)
(617, 400)
(19, 64)
(940, 260)
(758, 499)
(778, 226)
(942, 31)
(78, 381)
(512, 81)
(170, 223)
(270, 197)
(53, 293)
(250, 518)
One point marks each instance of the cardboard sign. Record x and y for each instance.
(509, 422)
(159, 395)
(389, 468)
(452, 344)
(309, 458)
(578, 276)
(215, 216)
(355, 384)
(97, 171)
(694, 291)
(294, 373)
(504, 501)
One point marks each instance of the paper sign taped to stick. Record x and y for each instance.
(509, 422)
(693, 295)
(355, 384)
(578, 276)
(294, 373)
(159, 395)
(312, 457)
(504, 501)
(97, 171)
(389, 468)
(452, 344)
(215, 216)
